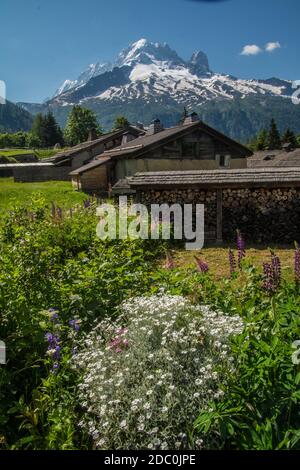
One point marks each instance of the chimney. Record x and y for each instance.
(155, 127)
(127, 137)
(92, 135)
(191, 118)
(139, 125)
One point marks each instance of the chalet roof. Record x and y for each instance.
(256, 177)
(137, 147)
(274, 158)
(90, 144)
(25, 165)
(90, 166)
(143, 143)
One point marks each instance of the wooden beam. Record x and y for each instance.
(219, 216)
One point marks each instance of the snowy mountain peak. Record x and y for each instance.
(148, 72)
(199, 64)
(93, 70)
(146, 52)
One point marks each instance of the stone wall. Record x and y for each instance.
(264, 215)
(35, 173)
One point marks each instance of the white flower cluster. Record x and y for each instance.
(147, 375)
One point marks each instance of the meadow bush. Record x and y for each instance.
(148, 373)
(61, 286)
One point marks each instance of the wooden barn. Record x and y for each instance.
(60, 165)
(190, 146)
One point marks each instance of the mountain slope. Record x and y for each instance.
(149, 80)
(13, 118)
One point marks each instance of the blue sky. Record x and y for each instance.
(45, 42)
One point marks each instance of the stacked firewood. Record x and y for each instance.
(263, 215)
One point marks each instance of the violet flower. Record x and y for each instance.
(169, 263)
(297, 264)
(232, 261)
(202, 266)
(272, 274)
(75, 324)
(276, 267)
(241, 247)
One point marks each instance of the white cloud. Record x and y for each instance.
(251, 49)
(272, 46)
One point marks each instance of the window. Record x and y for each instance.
(222, 160)
(189, 149)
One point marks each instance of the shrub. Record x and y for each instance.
(147, 374)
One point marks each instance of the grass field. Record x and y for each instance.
(62, 194)
(19, 194)
(217, 259)
(40, 153)
(13, 152)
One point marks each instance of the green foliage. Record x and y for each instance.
(261, 408)
(289, 138)
(14, 118)
(19, 139)
(51, 258)
(80, 123)
(121, 122)
(262, 140)
(274, 140)
(45, 132)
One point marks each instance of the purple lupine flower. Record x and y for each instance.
(232, 261)
(169, 263)
(86, 203)
(75, 324)
(276, 267)
(53, 349)
(55, 368)
(241, 247)
(53, 210)
(272, 274)
(202, 266)
(53, 314)
(268, 283)
(59, 212)
(297, 263)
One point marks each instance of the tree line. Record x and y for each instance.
(81, 124)
(270, 139)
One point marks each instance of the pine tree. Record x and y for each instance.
(121, 122)
(289, 138)
(52, 132)
(274, 141)
(262, 140)
(80, 123)
(38, 130)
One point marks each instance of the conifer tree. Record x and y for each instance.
(262, 140)
(289, 138)
(274, 141)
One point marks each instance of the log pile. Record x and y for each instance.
(263, 214)
(186, 196)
